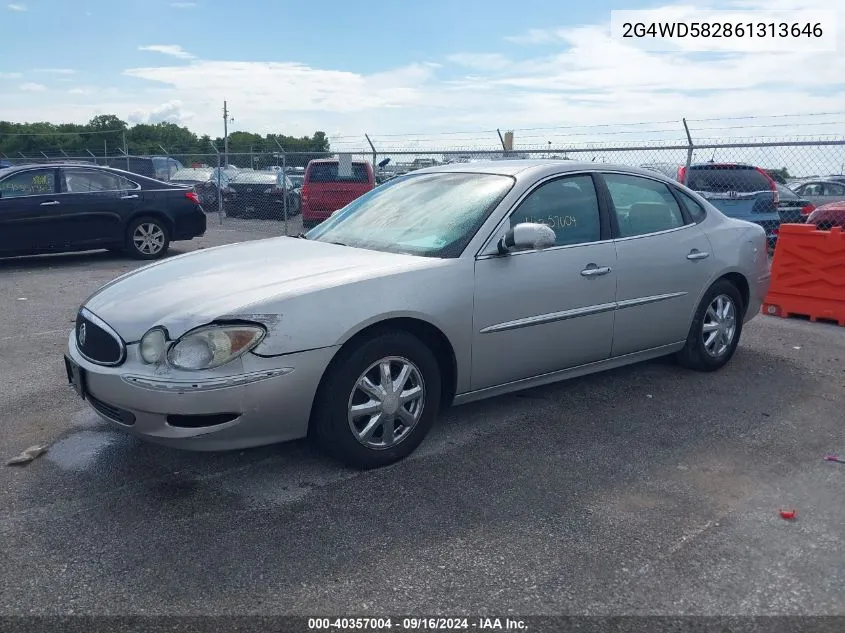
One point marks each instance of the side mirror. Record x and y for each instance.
(527, 235)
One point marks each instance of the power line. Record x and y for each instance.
(80, 133)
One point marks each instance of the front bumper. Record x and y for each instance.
(254, 401)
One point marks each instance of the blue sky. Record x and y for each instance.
(389, 67)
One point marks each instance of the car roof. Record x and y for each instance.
(536, 168)
(335, 160)
(722, 165)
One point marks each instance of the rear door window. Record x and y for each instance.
(328, 172)
(642, 205)
(33, 182)
(91, 180)
(833, 189)
(726, 179)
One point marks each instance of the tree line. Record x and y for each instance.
(105, 134)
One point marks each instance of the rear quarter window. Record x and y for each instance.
(696, 211)
(328, 172)
(725, 179)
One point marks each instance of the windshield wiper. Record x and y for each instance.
(339, 243)
(302, 236)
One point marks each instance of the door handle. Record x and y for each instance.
(696, 254)
(595, 271)
(51, 203)
(129, 197)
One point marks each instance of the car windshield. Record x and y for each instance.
(199, 175)
(255, 177)
(433, 215)
(725, 178)
(330, 172)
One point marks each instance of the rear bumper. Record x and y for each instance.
(190, 225)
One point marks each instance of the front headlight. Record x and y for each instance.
(153, 346)
(214, 345)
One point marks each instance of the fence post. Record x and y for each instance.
(690, 148)
(285, 189)
(219, 189)
(375, 154)
(284, 181)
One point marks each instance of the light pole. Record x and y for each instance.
(226, 120)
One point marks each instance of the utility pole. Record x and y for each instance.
(226, 120)
(125, 150)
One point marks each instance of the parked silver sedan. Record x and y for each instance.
(444, 286)
(820, 191)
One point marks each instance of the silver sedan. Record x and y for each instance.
(441, 287)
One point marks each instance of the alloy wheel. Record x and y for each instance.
(719, 327)
(386, 402)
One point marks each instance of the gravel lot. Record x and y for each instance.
(643, 490)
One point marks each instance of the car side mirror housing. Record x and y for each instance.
(527, 235)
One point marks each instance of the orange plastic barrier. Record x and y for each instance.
(808, 274)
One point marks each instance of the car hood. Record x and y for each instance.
(186, 291)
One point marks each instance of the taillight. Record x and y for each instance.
(772, 184)
(682, 174)
(303, 193)
(807, 210)
(192, 196)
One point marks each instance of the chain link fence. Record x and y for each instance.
(767, 182)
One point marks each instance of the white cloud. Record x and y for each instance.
(174, 50)
(16, 7)
(536, 36)
(79, 91)
(10, 75)
(480, 61)
(32, 87)
(184, 5)
(56, 71)
(170, 112)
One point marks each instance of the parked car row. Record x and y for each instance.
(748, 192)
(260, 194)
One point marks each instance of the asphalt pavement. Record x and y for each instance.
(644, 490)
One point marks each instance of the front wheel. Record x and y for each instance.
(148, 238)
(378, 401)
(716, 328)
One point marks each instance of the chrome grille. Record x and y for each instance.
(97, 342)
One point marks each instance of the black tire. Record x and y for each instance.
(695, 354)
(153, 249)
(330, 421)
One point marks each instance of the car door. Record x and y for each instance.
(664, 263)
(541, 311)
(28, 203)
(94, 205)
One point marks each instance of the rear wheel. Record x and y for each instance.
(378, 400)
(147, 238)
(716, 328)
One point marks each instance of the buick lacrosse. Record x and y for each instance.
(437, 288)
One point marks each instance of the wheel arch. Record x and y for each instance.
(427, 332)
(154, 214)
